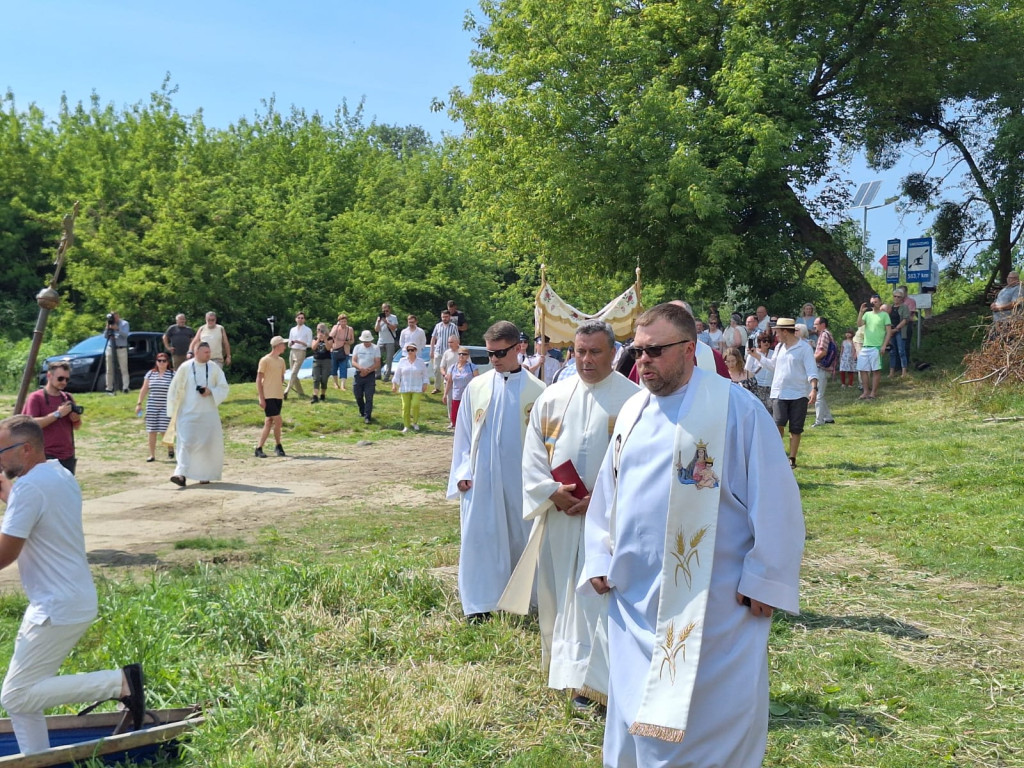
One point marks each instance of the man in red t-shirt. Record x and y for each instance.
(51, 408)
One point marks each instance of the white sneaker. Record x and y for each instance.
(416, 427)
(404, 430)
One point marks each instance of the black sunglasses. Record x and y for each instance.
(61, 378)
(500, 352)
(654, 350)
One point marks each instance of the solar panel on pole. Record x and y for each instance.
(866, 194)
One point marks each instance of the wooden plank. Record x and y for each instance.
(105, 746)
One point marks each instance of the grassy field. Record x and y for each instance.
(337, 640)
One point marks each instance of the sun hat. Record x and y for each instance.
(785, 323)
(412, 347)
(366, 336)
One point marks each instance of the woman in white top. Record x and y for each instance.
(762, 375)
(411, 379)
(735, 336)
(715, 332)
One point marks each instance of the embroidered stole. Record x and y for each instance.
(689, 550)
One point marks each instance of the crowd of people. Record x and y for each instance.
(634, 495)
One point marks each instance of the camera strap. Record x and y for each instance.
(196, 378)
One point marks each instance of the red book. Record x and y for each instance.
(566, 474)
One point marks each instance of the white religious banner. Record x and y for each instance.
(558, 320)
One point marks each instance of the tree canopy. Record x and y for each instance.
(685, 135)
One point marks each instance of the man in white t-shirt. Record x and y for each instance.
(300, 339)
(387, 338)
(794, 383)
(366, 359)
(42, 532)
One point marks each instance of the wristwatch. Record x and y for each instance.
(56, 414)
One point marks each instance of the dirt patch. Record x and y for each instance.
(138, 525)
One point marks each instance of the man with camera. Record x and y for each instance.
(198, 387)
(387, 338)
(117, 348)
(57, 413)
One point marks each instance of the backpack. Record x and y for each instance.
(830, 354)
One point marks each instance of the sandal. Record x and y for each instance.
(178, 480)
(792, 462)
(151, 458)
(135, 701)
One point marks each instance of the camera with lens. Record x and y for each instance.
(112, 325)
(321, 347)
(383, 315)
(76, 408)
(200, 389)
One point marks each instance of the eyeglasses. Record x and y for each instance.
(60, 378)
(764, 341)
(12, 447)
(466, 354)
(500, 353)
(654, 350)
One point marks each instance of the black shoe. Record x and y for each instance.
(285, 395)
(170, 453)
(323, 398)
(259, 454)
(278, 450)
(581, 703)
(479, 618)
(178, 480)
(313, 400)
(109, 392)
(135, 701)
(830, 421)
(366, 420)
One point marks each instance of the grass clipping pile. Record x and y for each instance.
(1001, 357)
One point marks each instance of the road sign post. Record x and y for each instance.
(919, 259)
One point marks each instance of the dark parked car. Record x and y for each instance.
(88, 365)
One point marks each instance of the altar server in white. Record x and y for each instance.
(487, 472)
(198, 387)
(695, 529)
(572, 421)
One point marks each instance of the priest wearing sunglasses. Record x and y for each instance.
(55, 411)
(487, 472)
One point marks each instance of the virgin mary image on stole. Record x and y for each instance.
(700, 471)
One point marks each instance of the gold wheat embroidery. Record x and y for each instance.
(672, 646)
(684, 554)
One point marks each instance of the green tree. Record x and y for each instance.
(956, 93)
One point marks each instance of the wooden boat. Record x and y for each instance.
(80, 737)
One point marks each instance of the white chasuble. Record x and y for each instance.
(571, 421)
(488, 451)
(758, 544)
(198, 437)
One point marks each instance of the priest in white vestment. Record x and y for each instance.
(695, 468)
(198, 387)
(572, 421)
(487, 472)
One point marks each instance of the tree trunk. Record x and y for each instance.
(827, 251)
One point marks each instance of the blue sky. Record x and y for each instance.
(226, 57)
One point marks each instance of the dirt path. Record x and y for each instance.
(138, 526)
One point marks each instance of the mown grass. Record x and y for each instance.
(338, 640)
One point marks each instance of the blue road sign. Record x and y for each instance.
(919, 259)
(892, 263)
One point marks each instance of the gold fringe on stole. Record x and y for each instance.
(657, 732)
(590, 693)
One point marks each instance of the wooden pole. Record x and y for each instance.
(47, 299)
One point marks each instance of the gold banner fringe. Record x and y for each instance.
(657, 732)
(590, 693)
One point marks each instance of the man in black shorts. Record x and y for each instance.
(270, 387)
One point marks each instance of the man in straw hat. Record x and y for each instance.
(366, 360)
(695, 531)
(794, 384)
